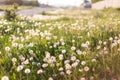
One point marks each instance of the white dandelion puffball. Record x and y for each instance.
(5, 78)
(44, 65)
(73, 48)
(40, 71)
(27, 71)
(50, 78)
(61, 57)
(14, 60)
(7, 48)
(83, 63)
(64, 51)
(73, 58)
(68, 72)
(19, 68)
(86, 68)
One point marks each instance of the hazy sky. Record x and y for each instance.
(62, 2)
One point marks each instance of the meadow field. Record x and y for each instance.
(81, 45)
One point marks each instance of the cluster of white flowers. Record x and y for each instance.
(59, 47)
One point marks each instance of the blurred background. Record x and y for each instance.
(64, 3)
(33, 7)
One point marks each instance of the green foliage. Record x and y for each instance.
(10, 14)
(44, 13)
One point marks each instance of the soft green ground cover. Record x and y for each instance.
(86, 47)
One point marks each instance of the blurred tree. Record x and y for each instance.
(23, 2)
(93, 1)
(31, 2)
(10, 14)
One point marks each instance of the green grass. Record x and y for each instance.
(84, 46)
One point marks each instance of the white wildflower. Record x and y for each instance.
(104, 42)
(100, 42)
(19, 68)
(14, 44)
(110, 38)
(73, 48)
(27, 71)
(5, 78)
(31, 51)
(14, 60)
(40, 71)
(64, 51)
(20, 46)
(61, 57)
(83, 63)
(93, 60)
(31, 58)
(50, 78)
(44, 65)
(73, 41)
(67, 66)
(7, 48)
(86, 68)
(63, 43)
(73, 58)
(68, 72)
